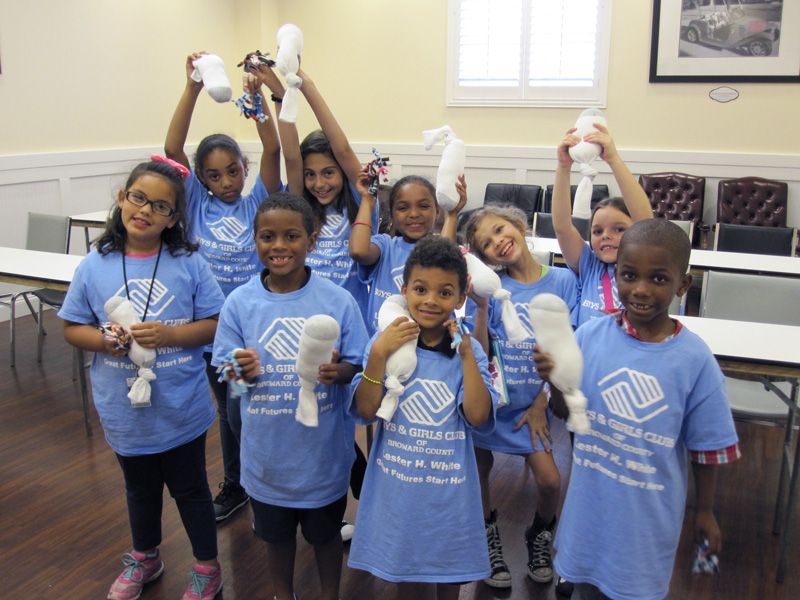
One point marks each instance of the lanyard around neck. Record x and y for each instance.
(152, 279)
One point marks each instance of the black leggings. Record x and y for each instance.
(183, 469)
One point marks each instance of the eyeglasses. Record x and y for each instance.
(160, 207)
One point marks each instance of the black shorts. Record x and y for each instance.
(278, 524)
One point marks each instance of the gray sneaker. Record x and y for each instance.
(540, 563)
(231, 498)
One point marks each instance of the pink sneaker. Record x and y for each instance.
(206, 583)
(140, 568)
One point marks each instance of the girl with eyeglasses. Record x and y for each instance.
(144, 255)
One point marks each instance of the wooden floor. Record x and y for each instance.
(63, 523)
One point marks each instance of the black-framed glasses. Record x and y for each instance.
(160, 207)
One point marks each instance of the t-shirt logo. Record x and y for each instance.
(525, 318)
(397, 276)
(230, 230)
(139, 289)
(334, 226)
(282, 338)
(632, 395)
(427, 402)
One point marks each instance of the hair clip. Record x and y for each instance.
(182, 170)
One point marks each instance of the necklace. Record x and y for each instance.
(152, 279)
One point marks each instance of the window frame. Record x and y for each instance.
(524, 95)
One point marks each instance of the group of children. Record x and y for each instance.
(223, 279)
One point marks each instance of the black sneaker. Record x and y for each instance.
(231, 498)
(564, 587)
(500, 577)
(540, 563)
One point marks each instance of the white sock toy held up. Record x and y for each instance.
(120, 311)
(402, 363)
(550, 319)
(210, 69)
(317, 341)
(584, 153)
(451, 165)
(486, 284)
(290, 47)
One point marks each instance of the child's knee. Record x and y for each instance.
(548, 481)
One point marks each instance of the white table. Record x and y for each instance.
(96, 220)
(772, 354)
(706, 260)
(45, 270)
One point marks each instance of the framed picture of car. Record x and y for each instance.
(725, 41)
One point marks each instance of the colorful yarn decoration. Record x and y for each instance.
(705, 563)
(231, 373)
(117, 335)
(253, 60)
(250, 105)
(375, 169)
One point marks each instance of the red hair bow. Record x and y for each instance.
(182, 170)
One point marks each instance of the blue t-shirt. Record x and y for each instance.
(330, 256)
(522, 381)
(183, 291)
(592, 270)
(385, 277)
(283, 462)
(420, 516)
(224, 232)
(648, 403)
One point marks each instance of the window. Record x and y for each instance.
(528, 52)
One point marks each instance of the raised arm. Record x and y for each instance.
(635, 198)
(569, 238)
(362, 250)
(270, 166)
(342, 151)
(182, 117)
(450, 224)
(477, 402)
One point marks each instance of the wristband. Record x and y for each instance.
(369, 379)
(362, 223)
(276, 99)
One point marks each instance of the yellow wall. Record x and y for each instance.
(97, 74)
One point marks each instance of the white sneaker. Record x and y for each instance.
(347, 531)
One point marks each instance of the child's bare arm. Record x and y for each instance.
(337, 371)
(182, 117)
(705, 524)
(154, 334)
(368, 395)
(342, 151)
(361, 248)
(569, 238)
(635, 198)
(477, 402)
(270, 165)
(544, 366)
(480, 325)
(450, 225)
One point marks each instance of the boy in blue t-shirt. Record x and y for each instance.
(420, 518)
(655, 399)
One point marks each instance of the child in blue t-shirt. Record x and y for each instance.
(220, 218)
(382, 257)
(144, 256)
(294, 474)
(656, 401)
(420, 514)
(496, 234)
(594, 262)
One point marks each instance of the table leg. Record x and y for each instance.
(86, 237)
(84, 390)
(793, 476)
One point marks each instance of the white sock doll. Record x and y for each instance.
(486, 284)
(210, 69)
(120, 311)
(584, 153)
(402, 363)
(550, 319)
(451, 165)
(290, 47)
(317, 341)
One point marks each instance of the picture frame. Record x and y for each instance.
(725, 41)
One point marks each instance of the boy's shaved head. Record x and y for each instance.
(663, 234)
